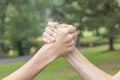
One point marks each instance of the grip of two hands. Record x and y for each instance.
(61, 32)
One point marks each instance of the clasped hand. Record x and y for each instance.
(61, 36)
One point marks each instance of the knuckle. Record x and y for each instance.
(64, 25)
(44, 34)
(44, 40)
(70, 37)
(50, 24)
(66, 32)
(72, 29)
(46, 29)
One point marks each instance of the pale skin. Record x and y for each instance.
(47, 54)
(84, 67)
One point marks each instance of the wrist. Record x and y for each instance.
(58, 51)
(52, 50)
(44, 56)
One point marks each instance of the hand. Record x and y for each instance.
(66, 40)
(50, 33)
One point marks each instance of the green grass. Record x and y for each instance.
(61, 70)
(9, 68)
(101, 54)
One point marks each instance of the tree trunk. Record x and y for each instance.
(111, 44)
(1, 51)
(2, 29)
(19, 48)
(78, 41)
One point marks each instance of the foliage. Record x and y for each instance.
(21, 23)
(91, 15)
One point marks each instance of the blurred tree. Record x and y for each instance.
(21, 22)
(3, 8)
(90, 14)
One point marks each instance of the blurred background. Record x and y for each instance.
(23, 21)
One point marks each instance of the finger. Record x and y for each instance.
(48, 37)
(66, 28)
(46, 40)
(51, 32)
(54, 29)
(64, 25)
(53, 24)
(71, 29)
(63, 29)
(69, 38)
(71, 43)
(74, 35)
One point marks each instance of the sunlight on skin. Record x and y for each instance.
(47, 54)
(85, 68)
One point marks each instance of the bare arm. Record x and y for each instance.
(41, 59)
(85, 68)
(47, 54)
(117, 76)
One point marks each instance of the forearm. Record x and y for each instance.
(86, 69)
(117, 76)
(41, 59)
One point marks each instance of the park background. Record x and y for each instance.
(22, 23)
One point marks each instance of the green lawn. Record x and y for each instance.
(61, 70)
